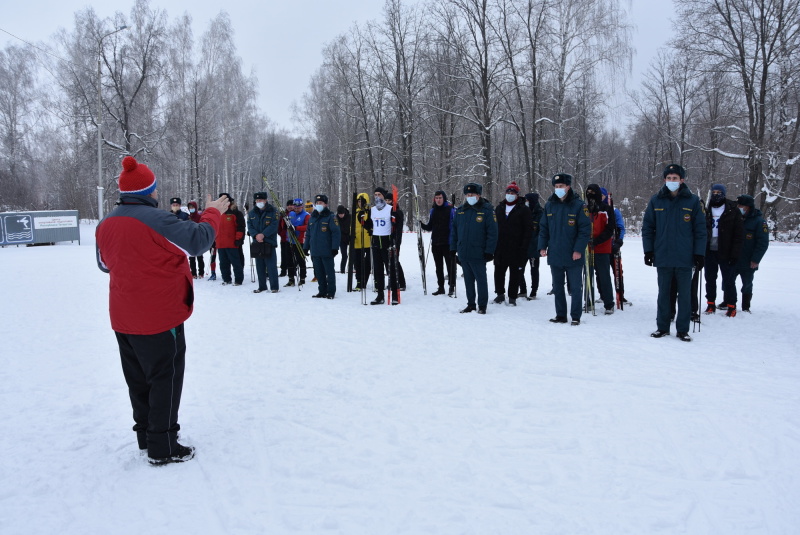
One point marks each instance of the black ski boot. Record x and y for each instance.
(440, 291)
(500, 298)
(659, 333)
(451, 292)
(684, 337)
(290, 283)
(378, 300)
(181, 454)
(470, 308)
(482, 310)
(558, 319)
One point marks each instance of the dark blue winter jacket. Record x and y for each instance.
(323, 235)
(474, 231)
(756, 239)
(264, 222)
(565, 228)
(674, 228)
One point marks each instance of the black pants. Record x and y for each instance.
(444, 257)
(514, 265)
(534, 263)
(363, 265)
(343, 249)
(198, 268)
(380, 255)
(287, 260)
(153, 366)
(298, 262)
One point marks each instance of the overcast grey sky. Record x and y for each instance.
(283, 40)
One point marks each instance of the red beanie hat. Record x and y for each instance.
(136, 177)
(513, 187)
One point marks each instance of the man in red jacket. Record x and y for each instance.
(603, 224)
(144, 251)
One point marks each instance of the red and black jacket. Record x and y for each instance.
(144, 249)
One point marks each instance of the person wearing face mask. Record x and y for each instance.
(175, 208)
(323, 239)
(603, 225)
(296, 234)
(514, 230)
(532, 202)
(229, 242)
(725, 237)
(440, 219)
(262, 226)
(564, 232)
(380, 223)
(196, 263)
(756, 242)
(674, 241)
(473, 237)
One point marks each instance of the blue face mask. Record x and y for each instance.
(510, 197)
(560, 192)
(743, 211)
(673, 186)
(472, 200)
(319, 207)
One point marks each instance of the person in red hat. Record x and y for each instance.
(514, 231)
(144, 250)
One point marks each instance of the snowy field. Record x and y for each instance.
(316, 416)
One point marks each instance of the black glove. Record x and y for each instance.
(699, 261)
(649, 258)
(305, 252)
(238, 243)
(615, 246)
(335, 251)
(487, 257)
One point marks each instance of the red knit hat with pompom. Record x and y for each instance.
(513, 187)
(136, 177)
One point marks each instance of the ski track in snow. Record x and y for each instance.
(316, 416)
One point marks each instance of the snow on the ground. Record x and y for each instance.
(316, 416)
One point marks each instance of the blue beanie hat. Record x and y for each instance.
(720, 187)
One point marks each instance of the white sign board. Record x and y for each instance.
(41, 223)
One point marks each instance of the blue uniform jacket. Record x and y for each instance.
(564, 228)
(323, 234)
(474, 231)
(264, 222)
(756, 239)
(674, 228)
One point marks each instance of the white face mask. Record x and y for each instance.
(673, 185)
(510, 197)
(472, 200)
(743, 211)
(192, 210)
(560, 192)
(319, 207)
(261, 205)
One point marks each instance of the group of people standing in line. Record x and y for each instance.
(151, 295)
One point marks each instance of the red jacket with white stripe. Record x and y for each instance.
(144, 249)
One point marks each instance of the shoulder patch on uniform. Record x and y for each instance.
(585, 210)
(765, 227)
(479, 219)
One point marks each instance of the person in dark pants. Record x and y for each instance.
(514, 230)
(343, 220)
(287, 259)
(603, 223)
(362, 246)
(725, 236)
(564, 232)
(532, 202)
(322, 242)
(473, 237)
(175, 208)
(440, 219)
(380, 226)
(262, 226)
(144, 249)
(398, 220)
(298, 218)
(229, 244)
(674, 241)
(756, 242)
(196, 263)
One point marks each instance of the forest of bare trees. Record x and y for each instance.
(437, 94)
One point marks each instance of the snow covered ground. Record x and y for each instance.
(316, 416)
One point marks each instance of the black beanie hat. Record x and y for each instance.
(676, 169)
(746, 200)
(175, 200)
(321, 197)
(382, 191)
(532, 198)
(260, 195)
(562, 178)
(341, 209)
